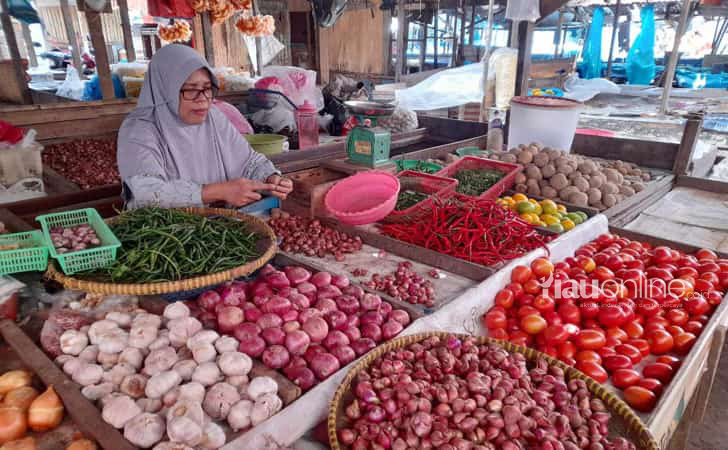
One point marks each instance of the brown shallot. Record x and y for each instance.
(46, 411)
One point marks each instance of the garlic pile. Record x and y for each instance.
(166, 381)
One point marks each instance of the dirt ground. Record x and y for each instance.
(712, 434)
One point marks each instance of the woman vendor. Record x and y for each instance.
(176, 149)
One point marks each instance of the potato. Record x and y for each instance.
(543, 183)
(609, 200)
(587, 167)
(522, 188)
(597, 179)
(579, 198)
(525, 157)
(509, 158)
(534, 190)
(533, 172)
(566, 192)
(549, 192)
(541, 159)
(609, 188)
(559, 181)
(594, 194)
(562, 160)
(535, 147)
(548, 170)
(515, 151)
(573, 176)
(564, 168)
(553, 154)
(638, 187)
(580, 183)
(521, 178)
(613, 176)
(646, 176)
(626, 191)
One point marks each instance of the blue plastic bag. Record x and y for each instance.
(591, 66)
(92, 90)
(23, 11)
(641, 56)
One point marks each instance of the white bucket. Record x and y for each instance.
(549, 121)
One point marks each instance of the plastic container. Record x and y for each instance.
(267, 144)
(33, 256)
(469, 151)
(417, 166)
(472, 162)
(438, 188)
(308, 126)
(92, 258)
(546, 120)
(363, 198)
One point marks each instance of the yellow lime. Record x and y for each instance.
(561, 209)
(557, 228)
(574, 217)
(568, 224)
(583, 215)
(548, 206)
(507, 199)
(520, 198)
(525, 207)
(549, 219)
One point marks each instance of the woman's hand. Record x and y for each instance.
(283, 186)
(238, 192)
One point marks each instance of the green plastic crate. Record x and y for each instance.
(32, 257)
(469, 151)
(417, 166)
(81, 260)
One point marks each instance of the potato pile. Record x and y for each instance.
(576, 179)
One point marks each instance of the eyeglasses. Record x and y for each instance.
(192, 95)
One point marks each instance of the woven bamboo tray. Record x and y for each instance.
(624, 421)
(266, 246)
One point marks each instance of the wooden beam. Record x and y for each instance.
(549, 6)
(615, 23)
(32, 58)
(93, 20)
(523, 65)
(387, 41)
(126, 30)
(423, 45)
(437, 19)
(399, 69)
(672, 63)
(684, 156)
(461, 44)
(324, 36)
(207, 38)
(71, 36)
(14, 52)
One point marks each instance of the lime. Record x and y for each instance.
(548, 206)
(556, 228)
(574, 217)
(567, 224)
(583, 215)
(525, 207)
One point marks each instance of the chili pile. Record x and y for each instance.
(474, 182)
(476, 230)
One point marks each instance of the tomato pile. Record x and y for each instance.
(609, 307)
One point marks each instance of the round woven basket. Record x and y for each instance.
(624, 421)
(266, 247)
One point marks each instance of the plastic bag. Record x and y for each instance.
(72, 86)
(24, 189)
(133, 69)
(170, 9)
(298, 84)
(592, 59)
(641, 57)
(518, 10)
(21, 160)
(235, 117)
(583, 90)
(445, 89)
(400, 121)
(502, 67)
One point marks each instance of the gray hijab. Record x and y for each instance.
(154, 141)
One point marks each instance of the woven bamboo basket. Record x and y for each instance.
(624, 421)
(266, 247)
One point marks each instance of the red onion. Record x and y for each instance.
(400, 316)
(340, 281)
(321, 279)
(277, 280)
(376, 414)
(353, 290)
(307, 289)
(276, 305)
(309, 313)
(352, 333)
(297, 342)
(89, 163)
(297, 275)
(269, 320)
(302, 377)
(276, 357)
(286, 292)
(273, 336)
(316, 328)
(228, 318)
(352, 321)
(290, 315)
(299, 301)
(370, 302)
(208, 300)
(252, 345)
(344, 353)
(208, 319)
(347, 436)
(348, 304)
(325, 305)
(363, 345)
(261, 289)
(324, 364)
(313, 350)
(232, 295)
(261, 300)
(252, 312)
(371, 317)
(335, 338)
(391, 329)
(328, 291)
(291, 326)
(384, 309)
(246, 329)
(336, 319)
(267, 269)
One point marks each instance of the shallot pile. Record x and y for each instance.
(307, 325)
(87, 162)
(311, 238)
(404, 285)
(452, 394)
(165, 378)
(73, 239)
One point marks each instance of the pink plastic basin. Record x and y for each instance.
(364, 198)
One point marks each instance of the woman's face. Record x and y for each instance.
(195, 97)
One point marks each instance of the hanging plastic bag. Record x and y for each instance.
(592, 60)
(23, 11)
(298, 84)
(170, 9)
(518, 10)
(641, 57)
(72, 86)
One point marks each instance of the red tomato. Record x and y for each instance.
(674, 330)
(526, 299)
(633, 329)
(589, 309)
(512, 324)
(614, 262)
(697, 305)
(680, 288)
(660, 371)
(640, 344)
(687, 271)
(662, 255)
(498, 333)
(684, 342)
(630, 351)
(542, 268)
(572, 329)
(568, 361)
(723, 277)
(704, 285)
(612, 341)
(517, 289)
(533, 324)
(611, 315)
(714, 298)
(702, 319)
(677, 316)
(520, 338)
(647, 306)
(640, 398)
(705, 253)
(652, 326)
(614, 362)
(521, 274)
(555, 334)
(708, 266)
(605, 351)
(494, 319)
(544, 303)
(569, 313)
(617, 333)
(588, 355)
(688, 261)
(551, 351)
(594, 370)
(651, 384)
(603, 274)
(532, 287)
(552, 318)
(567, 350)
(524, 311)
(659, 320)
(586, 263)
(670, 360)
(658, 273)
(694, 327)
(600, 259)
(661, 342)
(624, 378)
(561, 265)
(590, 340)
(505, 298)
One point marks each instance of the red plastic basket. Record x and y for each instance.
(473, 162)
(438, 188)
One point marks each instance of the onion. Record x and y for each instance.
(344, 353)
(371, 331)
(348, 304)
(316, 328)
(309, 313)
(328, 291)
(46, 411)
(303, 377)
(352, 333)
(363, 345)
(276, 357)
(340, 281)
(335, 338)
(208, 319)
(277, 280)
(267, 269)
(252, 313)
(325, 305)
(276, 305)
(13, 424)
(291, 326)
(246, 329)
(354, 291)
(371, 317)
(228, 318)
(352, 321)
(307, 289)
(384, 309)
(297, 342)
(324, 364)
(371, 302)
(297, 275)
(208, 300)
(289, 315)
(299, 301)
(273, 336)
(313, 350)
(232, 295)
(252, 345)
(261, 289)
(400, 316)
(269, 320)
(321, 279)
(336, 319)
(391, 329)
(286, 292)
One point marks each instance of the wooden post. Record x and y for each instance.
(32, 59)
(615, 23)
(672, 63)
(93, 20)
(14, 52)
(691, 132)
(472, 24)
(523, 67)
(485, 102)
(423, 45)
(461, 50)
(454, 50)
(437, 14)
(126, 30)
(71, 36)
(399, 68)
(324, 37)
(207, 38)
(387, 38)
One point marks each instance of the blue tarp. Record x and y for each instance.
(23, 11)
(641, 56)
(92, 90)
(592, 60)
(689, 78)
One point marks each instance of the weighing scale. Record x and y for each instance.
(367, 144)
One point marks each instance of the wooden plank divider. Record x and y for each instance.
(637, 200)
(703, 184)
(13, 223)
